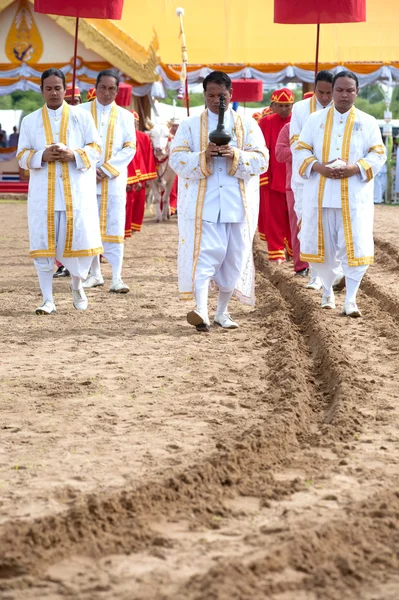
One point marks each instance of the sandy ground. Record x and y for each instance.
(140, 460)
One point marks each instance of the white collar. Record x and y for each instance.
(102, 107)
(57, 112)
(321, 107)
(341, 116)
(214, 117)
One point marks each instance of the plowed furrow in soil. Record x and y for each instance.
(291, 496)
(380, 280)
(338, 559)
(295, 400)
(292, 403)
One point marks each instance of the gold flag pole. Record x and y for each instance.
(184, 74)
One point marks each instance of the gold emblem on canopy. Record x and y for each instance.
(24, 43)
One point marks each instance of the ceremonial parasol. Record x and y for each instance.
(317, 12)
(87, 9)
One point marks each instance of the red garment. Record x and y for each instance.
(148, 171)
(276, 223)
(144, 149)
(284, 155)
(141, 169)
(173, 197)
(133, 176)
(273, 223)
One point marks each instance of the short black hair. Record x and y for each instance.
(218, 77)
(324, 76)
(49, 73)
(349, 74)
(108, 73)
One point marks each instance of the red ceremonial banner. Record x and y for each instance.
(87, 9)
(319, 11)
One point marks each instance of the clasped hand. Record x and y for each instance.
(100, 175)
(214, 150)
(344, 172)
(58, 153)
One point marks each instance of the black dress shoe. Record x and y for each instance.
(203, 328)
(61, 272)
(302, 273)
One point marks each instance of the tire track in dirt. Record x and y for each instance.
(336, 560)
(298, 403)
(306, 415)
(378, 287)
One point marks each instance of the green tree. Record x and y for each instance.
(376, 109)
(5, 103)
(27, 101)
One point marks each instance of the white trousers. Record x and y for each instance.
(116, 216)
(336, 257)
(77, 266)
(221, 255)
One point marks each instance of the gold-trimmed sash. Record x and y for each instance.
(104, 184)
(313, 104)
(346, 217)
(319, 257)
(51, 175)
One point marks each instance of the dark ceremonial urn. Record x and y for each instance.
(220, 136)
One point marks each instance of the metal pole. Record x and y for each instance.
(75, 53)
(316, 64)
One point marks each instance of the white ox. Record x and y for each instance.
(160, 140)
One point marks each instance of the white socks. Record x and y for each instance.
(46, 284)
(351, 289)
(201, 301)
(76, 282)
(223, 302)
(95, 266)
(327, 292)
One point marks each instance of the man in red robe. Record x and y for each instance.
(133, 181)
(141, 169)
(273, 222)
(284, 155)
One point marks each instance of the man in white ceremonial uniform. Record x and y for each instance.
(61, 147)
(338, 154)
(118, 139)
(301, 111)
(218, 205)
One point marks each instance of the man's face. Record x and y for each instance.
(323, 92)
(106, 90)
(344, 93)
(53, 91)
(77, 100)
(212, 96)
(282, 109)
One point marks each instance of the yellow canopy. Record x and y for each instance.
(242, 31)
